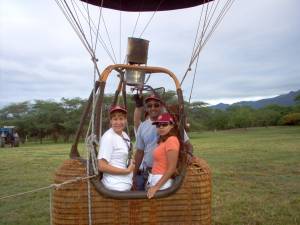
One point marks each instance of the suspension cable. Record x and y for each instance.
(109, 39)
(98, 27)
(217, 23)
(76, 29)
(194, 45)
(161, 1)
(194, 77)
(99, 37)
(120, 36)
(94, 26)
(90, 27)
(135, 25)
(220, 17)
(137, 19)
(203, 40)
(199, 41)
(76, 15)
(202, 34)
(205, 27)
(81, 31)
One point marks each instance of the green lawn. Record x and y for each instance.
(256, 176)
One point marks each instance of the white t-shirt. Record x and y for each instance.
(114, 149)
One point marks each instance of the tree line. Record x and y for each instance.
(58, 120)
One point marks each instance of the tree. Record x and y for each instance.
(198, 115)
(48, 117)
(219, 120)
(297, 99)
(72, 110)
(240, 116)
(266, 117)
(15, 110)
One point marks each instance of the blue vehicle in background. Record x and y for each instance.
(9, 136)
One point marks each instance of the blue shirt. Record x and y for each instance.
(146, 140)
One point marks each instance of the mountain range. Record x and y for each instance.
(282, 100)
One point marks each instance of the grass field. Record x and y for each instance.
(256, 177)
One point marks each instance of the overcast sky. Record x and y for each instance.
(254, 53)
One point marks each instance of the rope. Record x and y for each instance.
(76, 15)
(136, 22)
(50, 207)
(135, 25)
(89, 202)
(88, 188)
(194, 77)
(97, 35)
(76, 25)
(194, 46)
(27, 192)
(91, 142)
(102, 42)
(151, 18)
(109, 39)
(120, 36)
(206, 24)
(89, 22)
(55, 186)
(65, 12)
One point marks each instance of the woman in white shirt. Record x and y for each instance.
(114, 151)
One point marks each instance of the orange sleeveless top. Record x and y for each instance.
(160, 161)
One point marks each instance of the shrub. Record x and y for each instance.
(291, 119)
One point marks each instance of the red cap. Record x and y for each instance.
(164, 118)
(115, 108)
(153, 97)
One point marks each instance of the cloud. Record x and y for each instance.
(254, 52)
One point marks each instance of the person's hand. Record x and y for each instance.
(189, 159)
(139, 100)
(151, 192)
(189, 152)
(131, 166)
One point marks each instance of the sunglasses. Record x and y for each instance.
(155, 105)
(159, 125)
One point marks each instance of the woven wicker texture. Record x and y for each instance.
(191, 205)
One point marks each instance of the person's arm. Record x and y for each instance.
(139, 155)
(172, 157)
(104, 166)
(137, 117)
(188, 148)
(139, 108)
(140, 146)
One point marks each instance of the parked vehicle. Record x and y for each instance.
(9, 136)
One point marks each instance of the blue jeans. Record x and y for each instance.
(141, 181)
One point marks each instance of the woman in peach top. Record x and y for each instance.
(165, 155)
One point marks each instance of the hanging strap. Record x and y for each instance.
(130, 150)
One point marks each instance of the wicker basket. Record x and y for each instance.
(191, 205)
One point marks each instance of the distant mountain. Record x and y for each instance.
(282, 100)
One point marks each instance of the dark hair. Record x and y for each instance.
(173, 132)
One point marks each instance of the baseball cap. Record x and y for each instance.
(164, 118)
(153, 97)
(115, 108)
